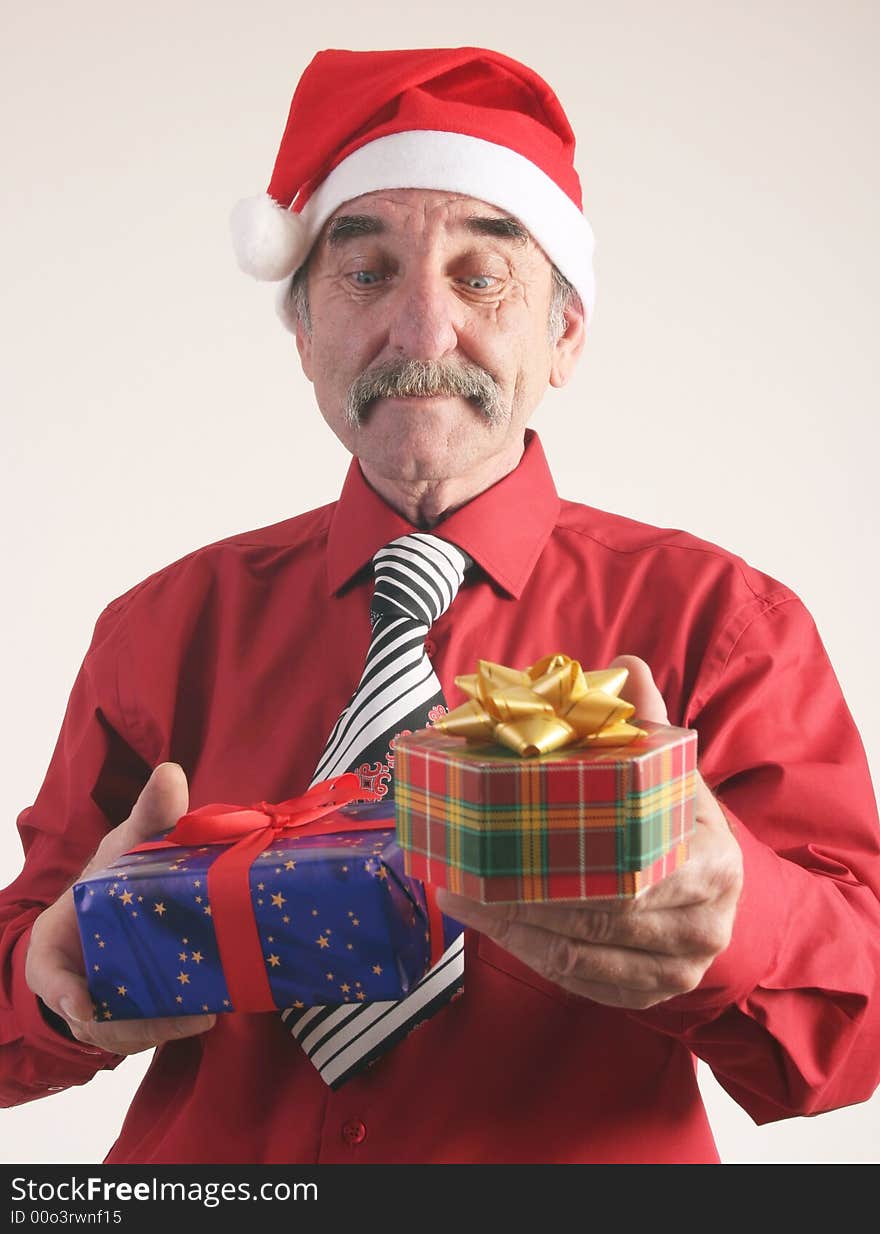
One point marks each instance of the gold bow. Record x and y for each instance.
(553, 703)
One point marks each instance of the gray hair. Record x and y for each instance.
(563, 294)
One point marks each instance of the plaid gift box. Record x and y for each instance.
(334, 920)
(573, 824)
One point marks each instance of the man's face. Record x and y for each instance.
(429, 345)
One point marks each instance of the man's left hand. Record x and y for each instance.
(638, 952)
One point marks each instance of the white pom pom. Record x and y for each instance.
(270, 242)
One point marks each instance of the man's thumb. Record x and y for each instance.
(162, 800)
(641, 690)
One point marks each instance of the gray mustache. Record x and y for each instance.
(425, 379)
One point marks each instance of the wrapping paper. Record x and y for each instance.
(337, 921)
(577, 823)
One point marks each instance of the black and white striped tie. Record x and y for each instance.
(417, 577)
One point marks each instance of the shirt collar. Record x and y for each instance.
(503, 528)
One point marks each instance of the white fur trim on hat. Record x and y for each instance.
(430, 159)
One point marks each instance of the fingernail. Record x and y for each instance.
(68, 1011)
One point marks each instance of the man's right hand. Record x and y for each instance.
(54, 967)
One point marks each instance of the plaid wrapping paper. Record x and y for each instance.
(337, 918)
(577, 823)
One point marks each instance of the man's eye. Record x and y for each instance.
(366, 278)
(484, 281)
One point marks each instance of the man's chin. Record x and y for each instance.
(422, 442)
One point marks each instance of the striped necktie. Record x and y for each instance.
(416, 577)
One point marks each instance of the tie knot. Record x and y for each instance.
(417, 575)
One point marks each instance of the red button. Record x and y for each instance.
(430, 646)
(354, 1131)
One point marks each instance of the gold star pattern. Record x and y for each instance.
(345, 988)
(102, 943)
(278, 900)
(108, 1014)
(208, 910)
(261, 886)
(299, 1004)
(183, 978)
(126, 897)
(120, 989)
(179, 998)
(290, 865)
(377, 969)
(286, 919)
(361, 994)
(197, 957)
(322, 941)
(182, 956)
(159, 908)
(329, 976)
(274, 960)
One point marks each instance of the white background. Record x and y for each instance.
(151, 402)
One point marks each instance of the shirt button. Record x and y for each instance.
(430, 646)
(354, 1131)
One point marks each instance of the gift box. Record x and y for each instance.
(606, 815)
(288, 915)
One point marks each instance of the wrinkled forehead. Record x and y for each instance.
(420, 213)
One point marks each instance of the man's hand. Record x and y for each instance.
(54, 967)
(629, 953)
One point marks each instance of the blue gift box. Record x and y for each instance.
(338, 922)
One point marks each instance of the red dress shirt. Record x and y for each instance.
(236, 660)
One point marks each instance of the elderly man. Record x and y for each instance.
(425, 225)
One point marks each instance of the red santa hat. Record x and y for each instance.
(462, 119)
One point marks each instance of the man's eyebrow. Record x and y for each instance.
(504, 228)
(347, 226)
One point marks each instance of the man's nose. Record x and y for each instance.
(424, 317)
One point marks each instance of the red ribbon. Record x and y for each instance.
(249, 830)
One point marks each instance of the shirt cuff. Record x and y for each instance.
(47, 1033)
(758, 932)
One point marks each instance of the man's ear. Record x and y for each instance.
(570, 343)
(304, 347)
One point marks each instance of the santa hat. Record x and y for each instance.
(462, 119)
